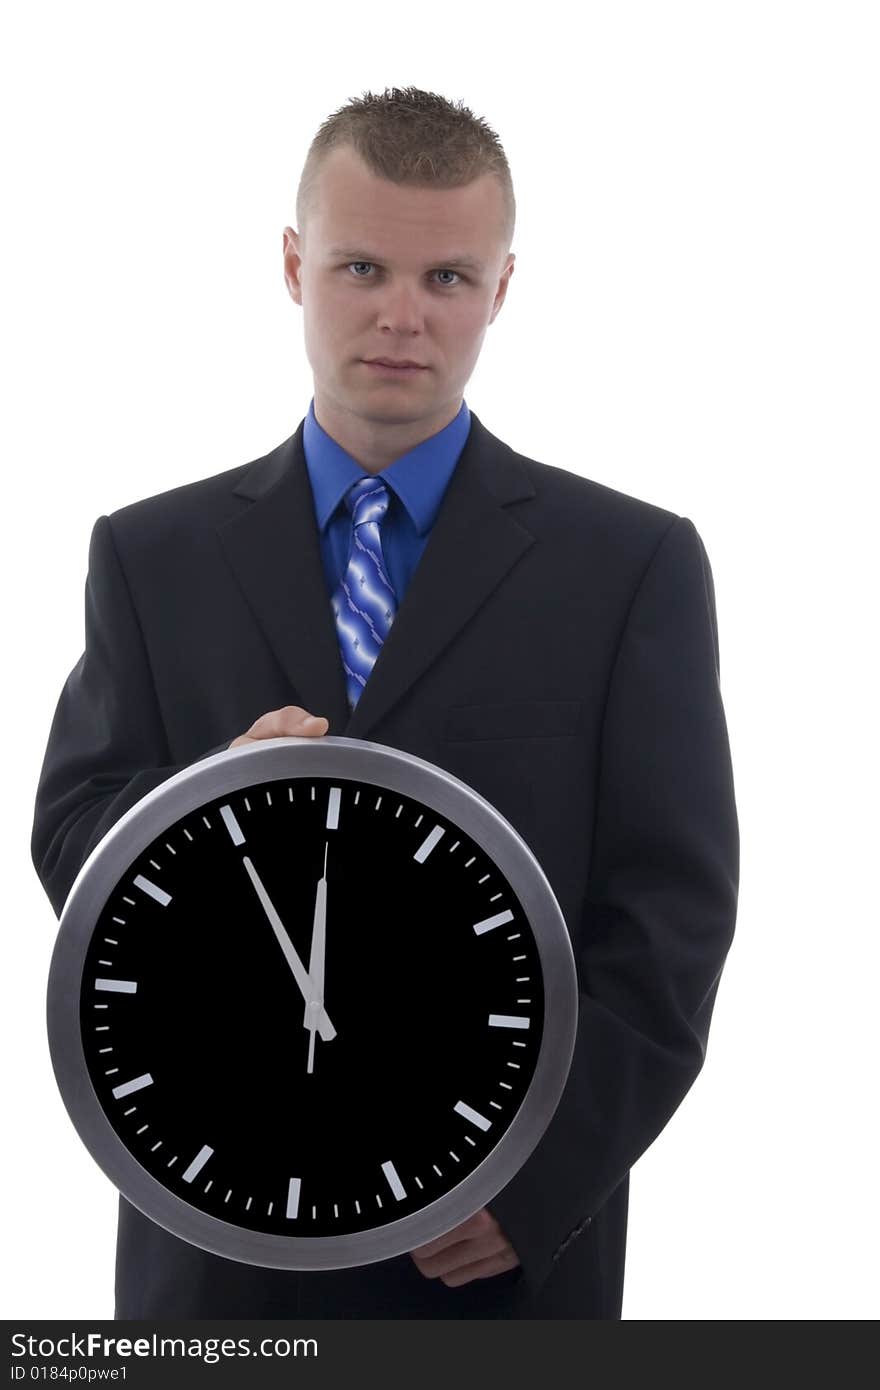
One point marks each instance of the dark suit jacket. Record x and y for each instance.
(557, 650)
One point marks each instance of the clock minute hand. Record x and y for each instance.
(316, 962)
(300, 974)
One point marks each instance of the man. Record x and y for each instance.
(549, 640)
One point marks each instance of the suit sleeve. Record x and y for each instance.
(659, 910)
(107, 744)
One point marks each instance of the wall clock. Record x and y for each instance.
(312, 1003)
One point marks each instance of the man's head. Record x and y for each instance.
(406, 215)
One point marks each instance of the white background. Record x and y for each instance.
(693, 319)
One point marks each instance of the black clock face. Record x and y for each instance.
(311, 1007)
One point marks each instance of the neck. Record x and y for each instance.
(375, 442)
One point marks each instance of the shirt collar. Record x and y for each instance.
(419, 477)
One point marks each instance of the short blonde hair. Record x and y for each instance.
(412, 137)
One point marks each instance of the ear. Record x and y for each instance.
(501, 292)
(292, 264)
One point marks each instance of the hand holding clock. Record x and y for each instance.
(476, 1249)
(288, 722)
(247, 1190)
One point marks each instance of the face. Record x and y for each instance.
(379, 272)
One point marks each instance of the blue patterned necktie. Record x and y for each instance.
(365, 603)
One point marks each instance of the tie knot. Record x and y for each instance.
(367, 500)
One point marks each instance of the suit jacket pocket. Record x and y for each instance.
(517, 719)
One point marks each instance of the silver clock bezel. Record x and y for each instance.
(271, 760)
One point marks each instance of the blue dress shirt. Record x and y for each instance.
(416, 484)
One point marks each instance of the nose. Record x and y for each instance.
(399, 309)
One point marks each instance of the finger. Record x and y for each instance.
(281, 723)
(481, 1269)
(477, 1225)
(456, 1256)
(288, 720)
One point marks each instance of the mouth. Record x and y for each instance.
(388, 368)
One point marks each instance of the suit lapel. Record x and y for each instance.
(274, 551)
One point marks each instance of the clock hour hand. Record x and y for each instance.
(316, 962)
(300, 974)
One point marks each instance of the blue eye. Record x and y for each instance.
(442, 271)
